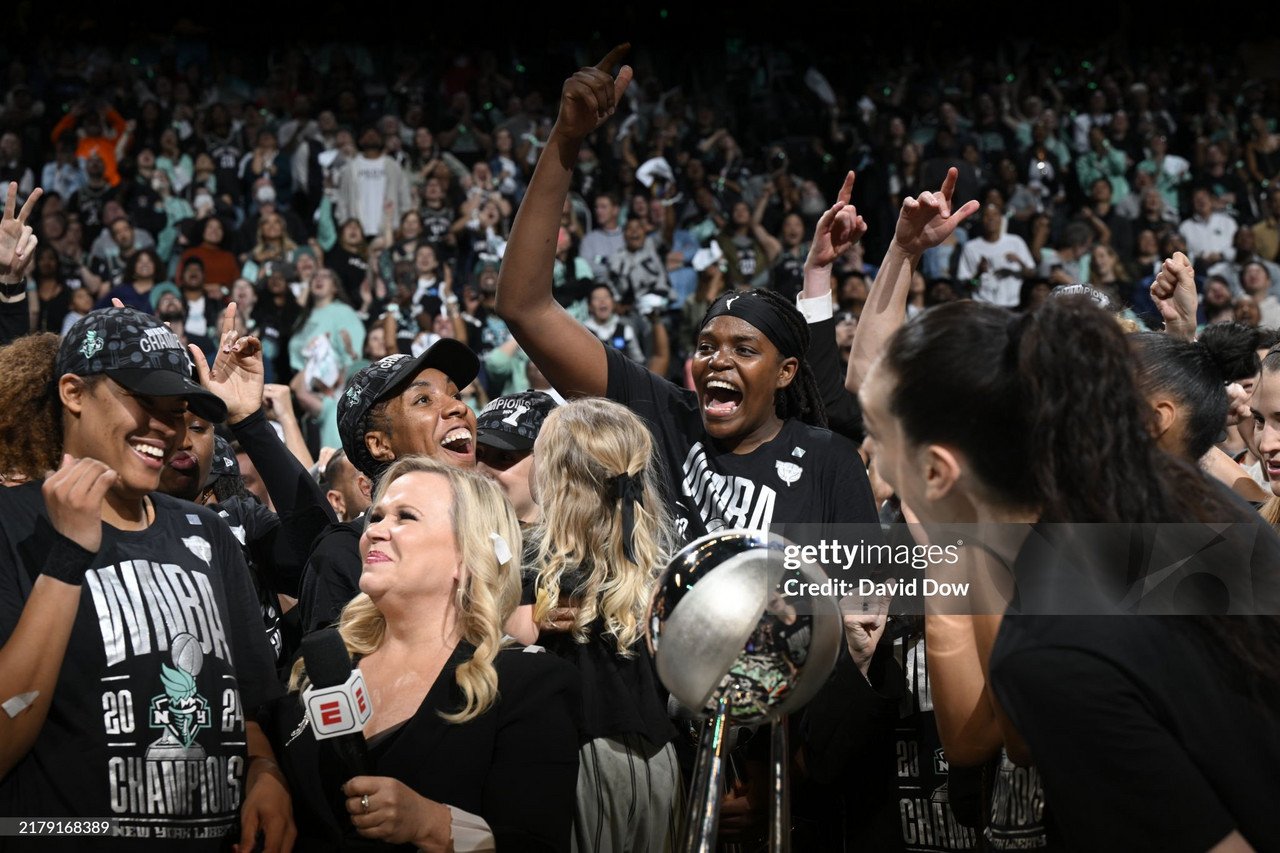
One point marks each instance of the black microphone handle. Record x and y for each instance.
(353, 752)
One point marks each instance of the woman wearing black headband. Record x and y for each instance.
(746, 450)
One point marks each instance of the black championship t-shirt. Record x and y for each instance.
(805, 475)
(939, 805)
(166, 658)
(924, 791)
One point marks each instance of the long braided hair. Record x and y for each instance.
(801, 399)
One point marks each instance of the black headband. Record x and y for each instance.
(752, 308)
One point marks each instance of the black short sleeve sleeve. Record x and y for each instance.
(636, 386)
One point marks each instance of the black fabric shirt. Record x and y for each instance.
(849, 724)
(251, 522)
(281, 549)
(619, 695)
(15, 321)
(351, 270)
(1141, 728)
(516, 765)
(332, 575)
(166, 661)
(436, 223)
(804, 475)
(53, 311)
(275, 327)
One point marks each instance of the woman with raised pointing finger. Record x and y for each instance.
(748, 448)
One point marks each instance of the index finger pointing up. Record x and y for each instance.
(11, 200)
(623, 80)
(613, 57)
(949, 183)
(846, 191)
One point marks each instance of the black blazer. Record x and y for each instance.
(516, 765)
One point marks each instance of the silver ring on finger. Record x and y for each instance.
(364, 803)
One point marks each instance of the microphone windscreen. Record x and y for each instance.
(326, 658)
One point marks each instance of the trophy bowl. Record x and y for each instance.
(730, 622)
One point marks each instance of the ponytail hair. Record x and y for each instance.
(1046, 408)
(1233, 348)
(1190, 374)
(1092, 451)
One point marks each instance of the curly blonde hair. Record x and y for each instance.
(582, 448)
(489, 591)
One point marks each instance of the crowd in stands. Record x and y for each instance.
(356, 204)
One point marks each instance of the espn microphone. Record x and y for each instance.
(337, 703)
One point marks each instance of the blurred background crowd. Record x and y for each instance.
(354, 196)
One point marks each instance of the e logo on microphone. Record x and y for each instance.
(338, 710)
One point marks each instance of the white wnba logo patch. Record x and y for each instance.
(788, 472)
(200, 547)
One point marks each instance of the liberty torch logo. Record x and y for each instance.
(92, 345)
(180, 711)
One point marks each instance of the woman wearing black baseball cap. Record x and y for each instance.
(396, 406)
(748, 448)
(132, 647)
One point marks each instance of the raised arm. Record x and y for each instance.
(237, 378)
(772, 247)
(923, 223)
(17, 239)
(17, 256)
(839, 229)
(1174, 294)
(566, 352)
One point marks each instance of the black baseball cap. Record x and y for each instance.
(224, 462)
(138, 352)
(383, 379)
(513, 422)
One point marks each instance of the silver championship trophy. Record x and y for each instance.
(736, 640)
